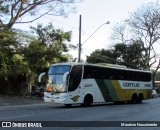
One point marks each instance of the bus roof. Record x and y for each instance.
(106, 65)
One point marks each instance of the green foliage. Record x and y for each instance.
(119, 52)
(157, 76)
(101, 56)
(47, 48)
(129, 55)
(26, 57)
(52, 37)
(8, 48)
(133, 56)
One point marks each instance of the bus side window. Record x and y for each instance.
(113, 74)
(87, 72)
(75, 77)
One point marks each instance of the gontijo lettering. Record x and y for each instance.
(131, 84)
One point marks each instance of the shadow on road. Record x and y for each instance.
(109, 104)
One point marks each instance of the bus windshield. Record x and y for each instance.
(59, 69)
(55, 75)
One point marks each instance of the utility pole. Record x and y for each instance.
(80, 45)
(79, 52)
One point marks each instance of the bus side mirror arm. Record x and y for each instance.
(65, 77)
(40, 76)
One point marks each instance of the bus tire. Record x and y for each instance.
(140, 98)
(134, 98)
(88, 100)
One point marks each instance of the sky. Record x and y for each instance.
(94, 14)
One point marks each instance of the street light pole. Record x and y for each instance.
(95, 32)
(80, 45)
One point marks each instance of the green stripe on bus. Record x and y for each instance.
(111, 90)
(104, 90)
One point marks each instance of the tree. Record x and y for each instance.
(119, 33)
(24, 57)
(154, 72)
(101, 56)
(119, 52)
(12, 66)
(52, 37)
(145, 24)
(15, 11)
(55, 40)
(157, 76)
(8, 48)
(130, 55)
(47, 48)
(134, 56)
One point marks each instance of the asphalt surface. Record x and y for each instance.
(8, 100)
(39, 111)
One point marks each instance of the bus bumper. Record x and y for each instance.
(59, 98)
(47, 97)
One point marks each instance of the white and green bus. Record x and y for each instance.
(83, 83)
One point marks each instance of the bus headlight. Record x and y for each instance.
(50, 89)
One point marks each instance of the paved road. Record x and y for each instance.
(149, 110)
(18, 100)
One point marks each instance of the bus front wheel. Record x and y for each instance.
(87, 101)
